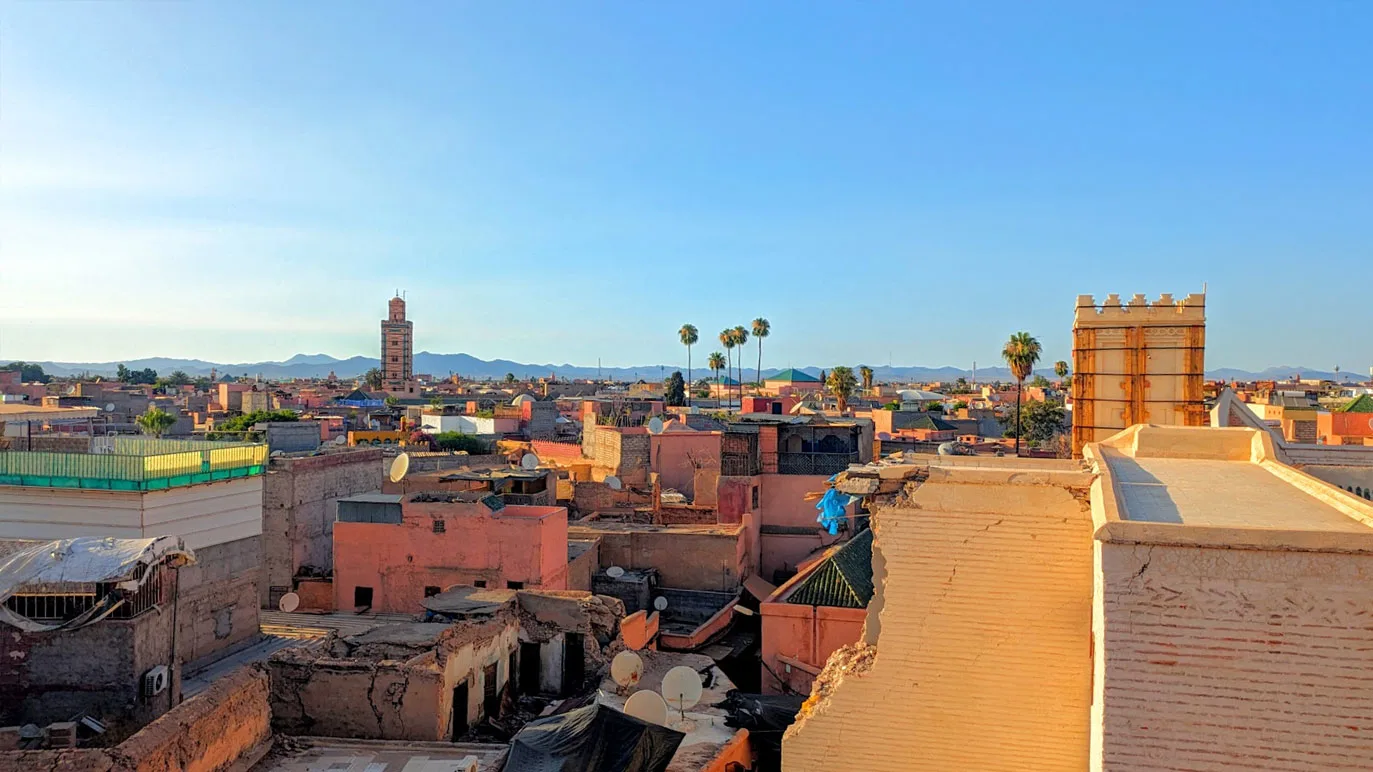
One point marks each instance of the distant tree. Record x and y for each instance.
(28, 372)
(689, 335)
(155, 421)
(1061, 369)
(934, 407)
(893, 405)
(865, 373)
(675, 394)
(176, 378)
(144, 376)
(509, 377)
(373, 379)
(419, 438)
(716, 362)
(1038, 422)
(1021, 353)
(740, 338)
(761, 329)
(961, 384)
(436, 402)
(959, 405)
(456, 441)
(244, 423)
(1040, 381)
(390, 401)
(727, 340)
(841, 384)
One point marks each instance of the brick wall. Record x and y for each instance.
(218, 602)
(1222, 659)
(563, 451)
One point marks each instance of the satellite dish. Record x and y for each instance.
(655, 425)
(883, 436)
(660, 603)
(614, 483)
(109, 407)
(614, 572)
(277, 454)
(342, 439)
(681, 688)
(399, 467)
(529, 461)
(289, 602)
(945, 449)
(647, 706)
(627, 668)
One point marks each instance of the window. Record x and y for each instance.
(514, 585)
(395, 359)
(479, 583)
(362, 597)
(430, 591)
(440, 526)
(755, 498)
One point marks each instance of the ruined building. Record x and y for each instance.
(1185, 600)
(1137, 363)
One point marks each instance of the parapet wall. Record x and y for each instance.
(227, 724)
(1138, 310)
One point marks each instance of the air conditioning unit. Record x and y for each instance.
(156, 681)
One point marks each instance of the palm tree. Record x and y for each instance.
(841, 384)
(1021, 353)
(689, 335)
(865, 373)
(727, 340)
(155, 421)
(740, 338)
(1061, 369)
(761, 328)
(715, 362)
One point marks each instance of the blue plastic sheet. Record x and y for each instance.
(832, 506)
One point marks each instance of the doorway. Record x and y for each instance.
(491, 698)
(529, 667)
(459, 711)
(574, 663)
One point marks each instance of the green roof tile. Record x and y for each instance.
(842, 580)
(792, 375)
(1361, 404)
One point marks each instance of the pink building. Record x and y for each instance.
(393, 551)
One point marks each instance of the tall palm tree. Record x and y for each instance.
(1061, 369)
(727, 340)
(689, 335)
(841, 384)
(740, 338)
(1021, 354)
(761, 328)
(865, 373)
(715, 361)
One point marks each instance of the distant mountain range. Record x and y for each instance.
(440, 365)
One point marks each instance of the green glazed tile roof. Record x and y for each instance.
(1361, 404)
(793, 375)
(843, 580)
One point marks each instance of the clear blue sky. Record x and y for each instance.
(563, 181)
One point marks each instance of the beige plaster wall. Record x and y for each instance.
(1231, 659)
(982, 630)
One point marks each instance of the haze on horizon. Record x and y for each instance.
(246, 181)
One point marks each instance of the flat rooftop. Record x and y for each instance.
(134, 464)
(1220, 487)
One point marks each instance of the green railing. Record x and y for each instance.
(135, 464)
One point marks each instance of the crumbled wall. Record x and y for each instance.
(227, 724)
(1222, 659)
(981, 626)
(218, 599)
(299, 501)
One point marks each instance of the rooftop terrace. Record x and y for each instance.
(134, 464)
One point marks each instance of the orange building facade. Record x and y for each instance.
(391, 552)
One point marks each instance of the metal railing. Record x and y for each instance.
(135, 464)
(814, 463)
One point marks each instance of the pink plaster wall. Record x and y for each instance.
(809, 634)
(671, 454)
(521, 544)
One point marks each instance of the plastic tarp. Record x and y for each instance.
(53, 566)
(832, 506)
(595, 737)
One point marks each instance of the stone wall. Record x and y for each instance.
(226, 726)
(299, 503)
(687, 557)
(218, 598)
(1220, 659)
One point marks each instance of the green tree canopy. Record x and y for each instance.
(1040, 422)
(155, 421)
(841, 383)
(28, 372)
(455, 441)
(146, 375)
(372, 379)
(675, 394)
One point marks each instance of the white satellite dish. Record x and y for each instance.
(660, 603)
(626, 668)
(883, 436)
(681, 688)
(289, 602)
(342, 439)
(614, 572)
(647, 706)
(656, 425)
(614, 483)
(529, 461)
(109, 407)
(399, 467)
